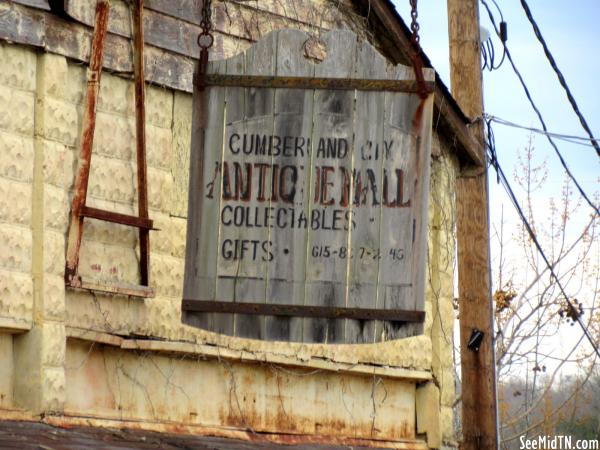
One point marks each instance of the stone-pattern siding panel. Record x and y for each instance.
(15, 202)
(17, 97)
(57, 121)
(18, 67)
(18, 117)
(16, 162)
(114, 138)
(16, 295)
(54, 392)
(440, 284)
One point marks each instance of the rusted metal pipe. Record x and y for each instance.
(79, 209)
(140, 134)
(122, 219)
(274, 82)
(87, 141)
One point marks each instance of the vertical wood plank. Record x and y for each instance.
(228, 268)
(204, 198)
(260, 60)
(327, 262)
(293, 126)
(244, 250)
(369, 159)
(396, 289)
(404, 240)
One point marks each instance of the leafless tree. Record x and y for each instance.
(537, 339)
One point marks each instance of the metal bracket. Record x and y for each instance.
(93, 76)
(79, 208)
(475, 340)
(275, 82)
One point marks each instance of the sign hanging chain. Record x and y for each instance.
(416, 56)
(205, 41)
(414, 25)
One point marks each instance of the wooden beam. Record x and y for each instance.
(479, 410)
(321, 312)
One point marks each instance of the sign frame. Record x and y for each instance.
(218, 78)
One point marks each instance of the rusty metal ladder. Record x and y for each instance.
(79, 208)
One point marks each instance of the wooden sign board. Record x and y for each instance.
(308, 205)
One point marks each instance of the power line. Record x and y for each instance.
(561, 78)
(539, 115)
(488, 53)
(579, 140)
(504, 181)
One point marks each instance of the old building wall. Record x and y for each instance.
(440, 281)
(17, 89)
(81, 347)
(6, 371)
(264, 398)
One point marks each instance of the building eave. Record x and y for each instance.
(449, 119)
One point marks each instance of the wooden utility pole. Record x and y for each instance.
(479, 412)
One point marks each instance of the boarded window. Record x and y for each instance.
(308, 194)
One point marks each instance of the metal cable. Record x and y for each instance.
(488, 55)
(561, 78)
(578, 140)
(487, 47)
(539, 115)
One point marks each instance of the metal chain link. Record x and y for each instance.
(414, 25)
(205, 38)
(416, 57)
(205, 41)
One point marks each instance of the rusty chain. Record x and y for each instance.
(205, 38)
(416, 56)
(205, 41)
(414, 25)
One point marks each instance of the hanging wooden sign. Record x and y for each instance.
(308, 193)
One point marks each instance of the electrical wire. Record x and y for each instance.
(488, 53)
(561, 78)
(504, 181)
(539, 114)
(578, 140)
(488, 56)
